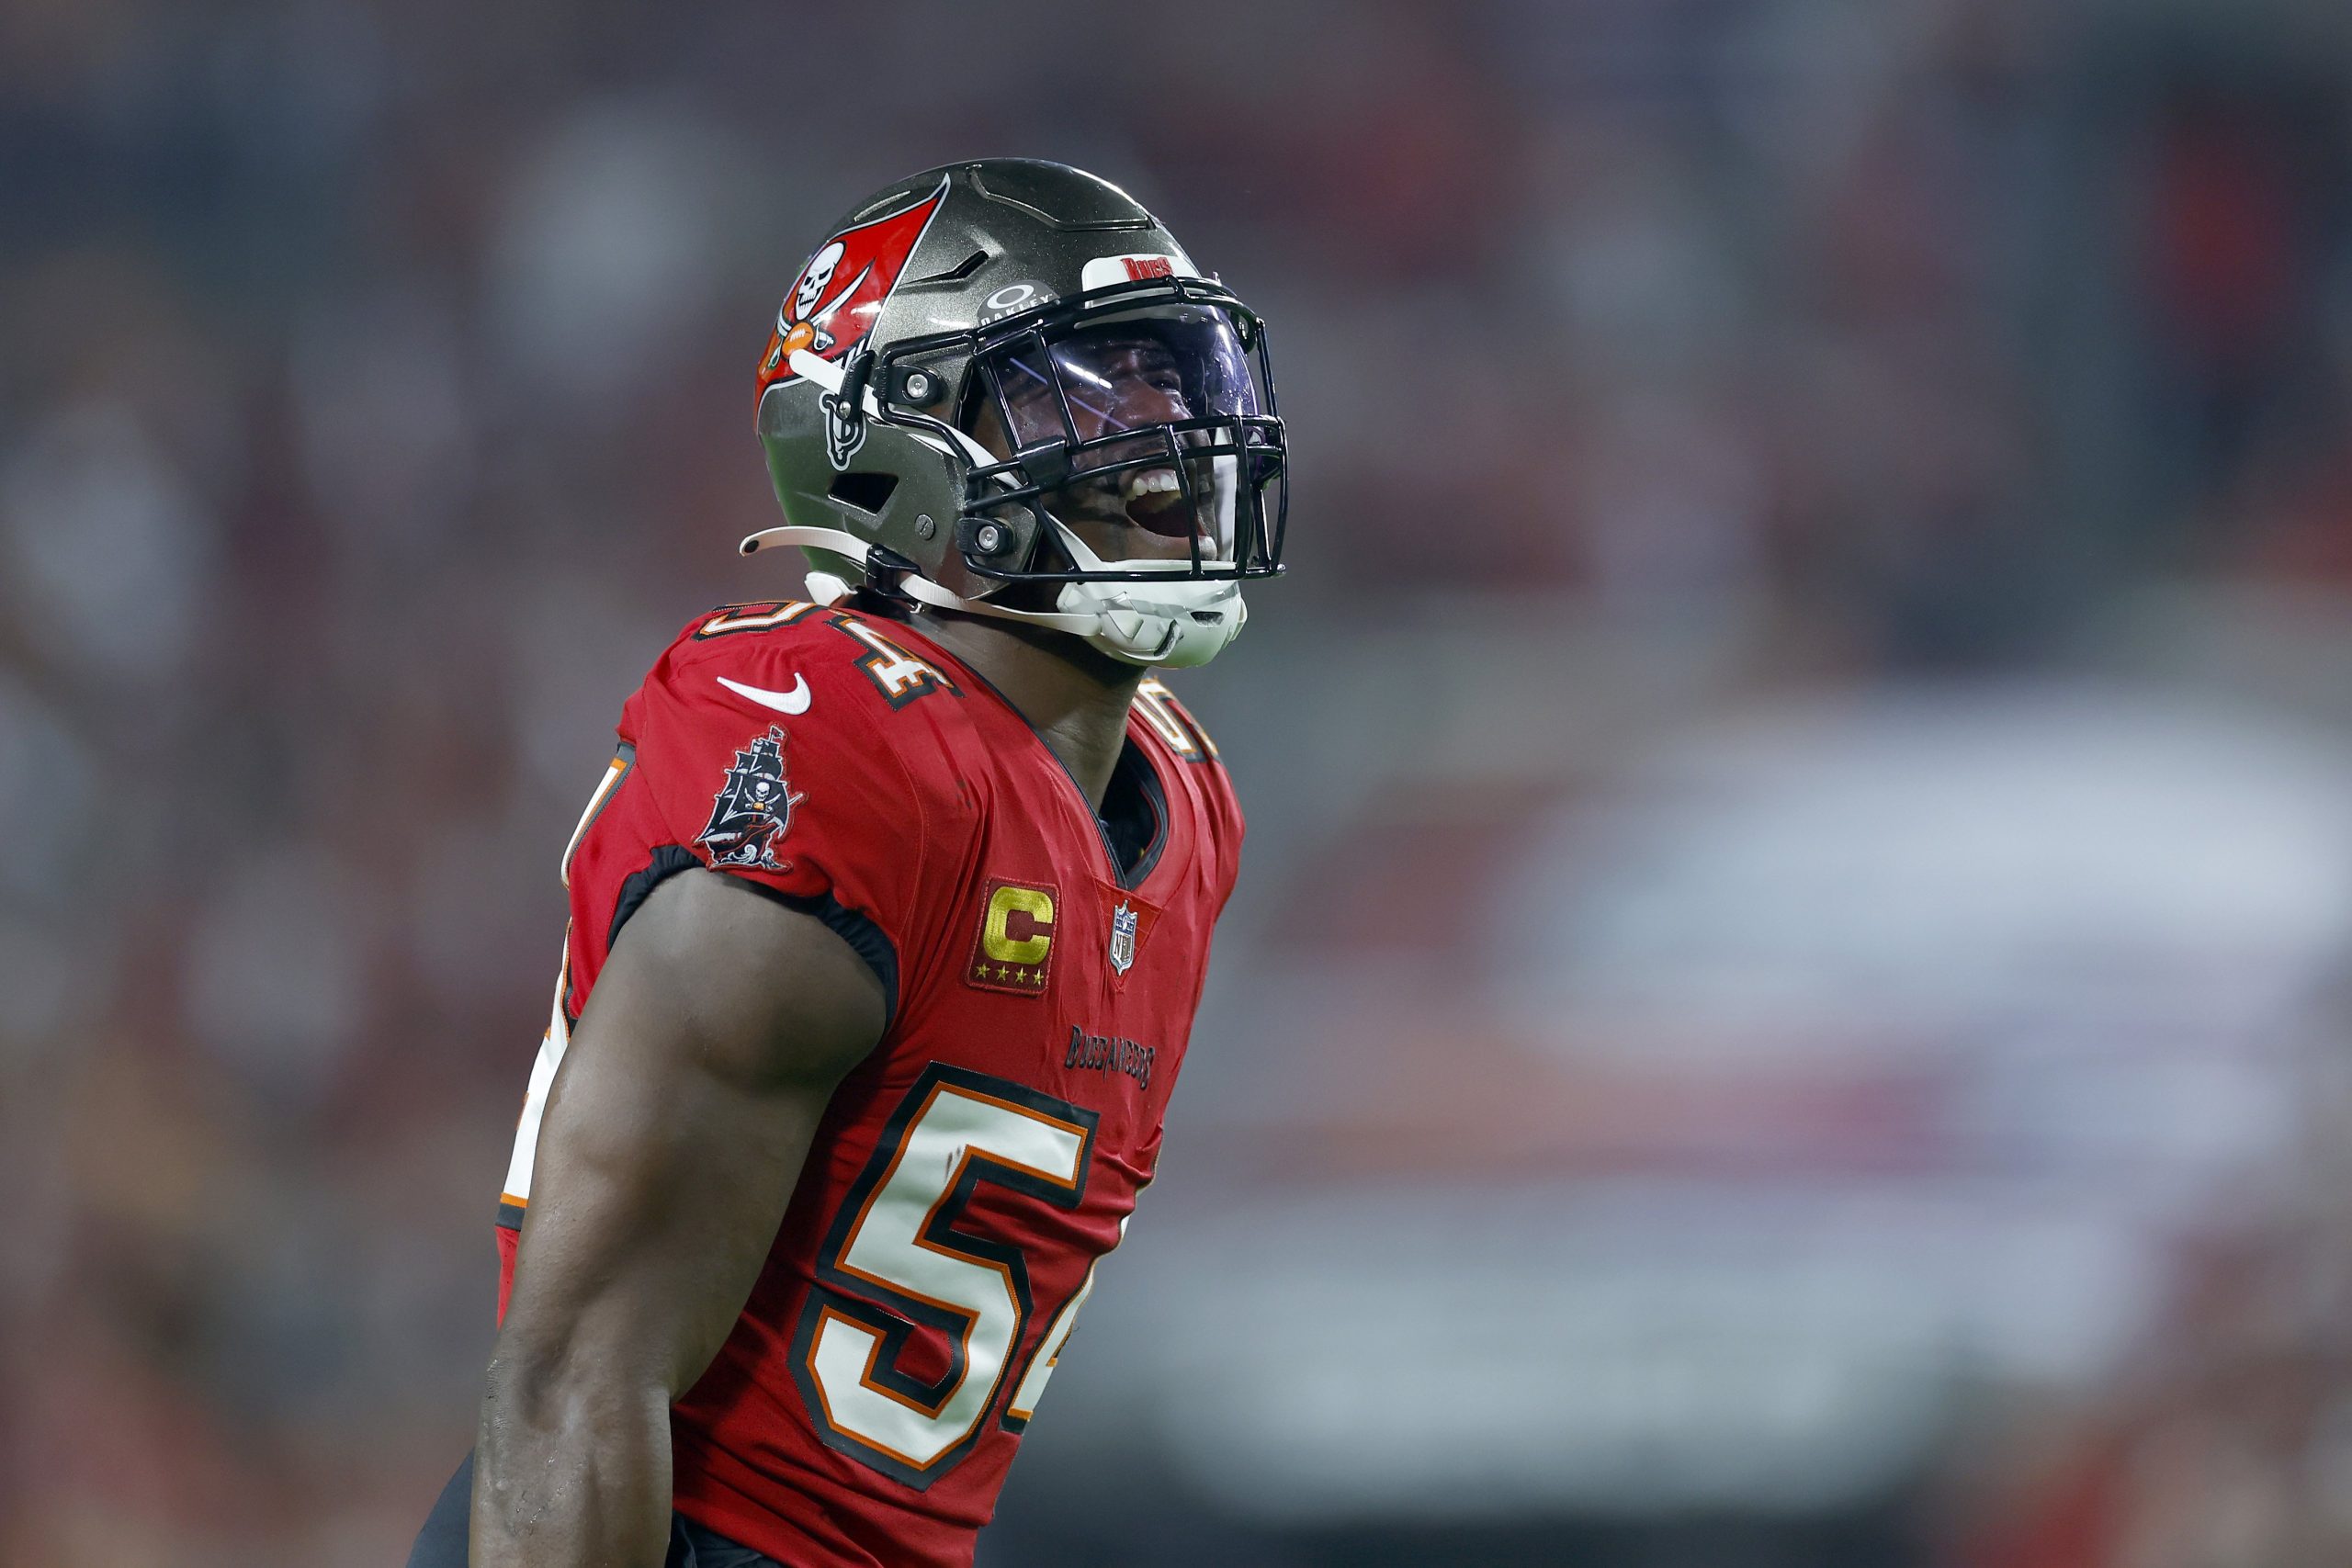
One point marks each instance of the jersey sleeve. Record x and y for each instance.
(763, 763)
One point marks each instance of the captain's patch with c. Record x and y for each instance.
(1015, 949)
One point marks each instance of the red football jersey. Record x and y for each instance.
(971, 1172)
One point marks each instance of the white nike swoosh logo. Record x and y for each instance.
(793, 700)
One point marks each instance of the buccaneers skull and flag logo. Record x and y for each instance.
(831, 305)
(753, 808)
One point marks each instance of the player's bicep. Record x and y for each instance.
(676, 1128)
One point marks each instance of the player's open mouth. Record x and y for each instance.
(1154, 501)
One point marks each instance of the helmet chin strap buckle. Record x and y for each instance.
(886, 571)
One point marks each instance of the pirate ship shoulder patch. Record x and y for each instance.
(752, 810)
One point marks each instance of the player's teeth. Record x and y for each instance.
(1152, 481)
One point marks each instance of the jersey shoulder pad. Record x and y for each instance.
(789, 640)
(770, 746)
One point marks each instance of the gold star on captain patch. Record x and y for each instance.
(1022, 975)
(1002, 972)
(981, 973)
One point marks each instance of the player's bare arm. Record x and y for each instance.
(673, 1136)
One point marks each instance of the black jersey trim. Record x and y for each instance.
(856, 927)
(667, 862)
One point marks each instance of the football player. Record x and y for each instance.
(891, 912)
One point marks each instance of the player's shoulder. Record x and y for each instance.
(757, 638)
(841, 689)
(831, 667)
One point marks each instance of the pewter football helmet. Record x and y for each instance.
(1044, 309)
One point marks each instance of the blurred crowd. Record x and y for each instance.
(375, 401)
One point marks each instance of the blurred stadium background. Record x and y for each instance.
(1789, 1005)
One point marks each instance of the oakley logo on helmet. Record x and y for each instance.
(1012, 297)
(831, 305)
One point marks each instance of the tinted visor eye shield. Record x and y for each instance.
(1143, 413)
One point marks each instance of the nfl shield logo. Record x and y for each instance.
(1122, 937)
